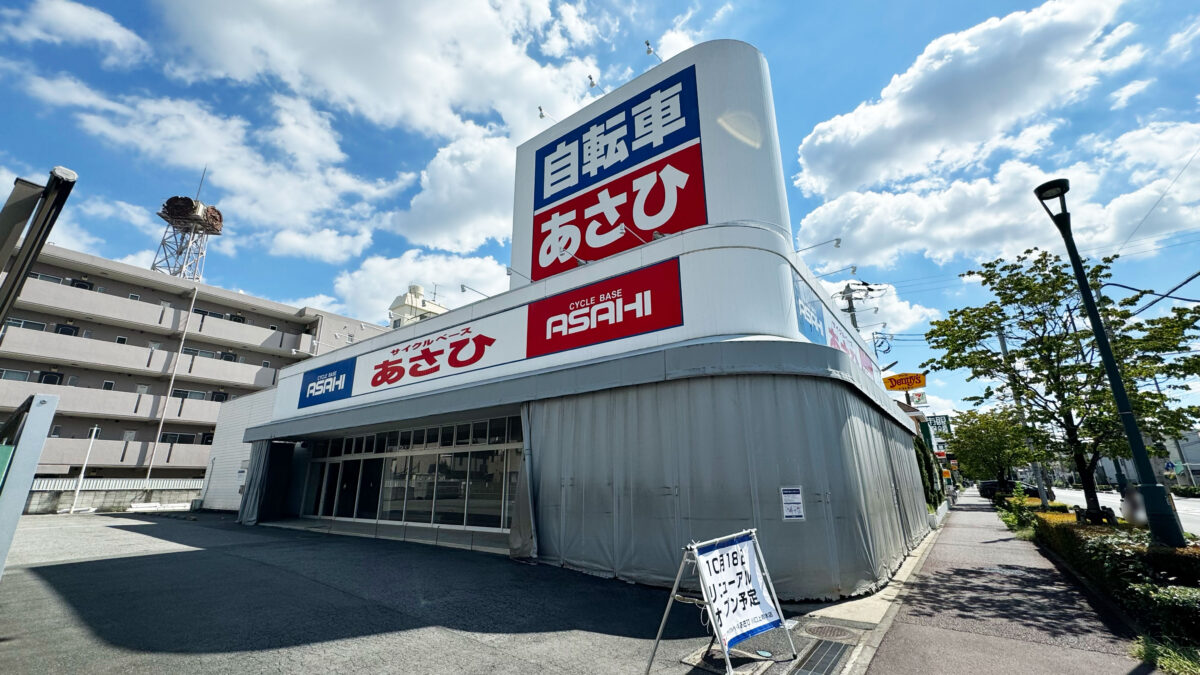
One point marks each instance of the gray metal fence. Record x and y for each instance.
(58, 484)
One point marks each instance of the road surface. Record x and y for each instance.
(1188, 509)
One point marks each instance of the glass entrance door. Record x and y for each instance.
(368, 490)
(331, 486)
(348, 488)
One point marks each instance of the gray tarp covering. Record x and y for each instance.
(256, 478)
(624, 478)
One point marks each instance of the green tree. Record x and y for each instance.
(1053, 367)
(988, 443)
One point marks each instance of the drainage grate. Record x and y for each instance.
(823, 659)
(828, 632)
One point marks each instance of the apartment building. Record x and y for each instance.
(106, 338)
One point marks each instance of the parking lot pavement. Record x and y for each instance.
(140, 593)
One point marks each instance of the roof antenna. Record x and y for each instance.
(201, 186)
(592, 85)
(542, 115)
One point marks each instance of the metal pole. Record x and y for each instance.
(774, 596)
(1163, 521)
(162, 418)
(1037, 466)
(667, 613)
(849, 295)
(1178, 450)
(83, 469)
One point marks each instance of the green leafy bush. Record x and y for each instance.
(1185, 490)
(1158, 585)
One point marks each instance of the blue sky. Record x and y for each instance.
(357, 147)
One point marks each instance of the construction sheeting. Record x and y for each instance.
(623, 478)
(256, 480)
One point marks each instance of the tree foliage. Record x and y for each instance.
(989, 443)
(1053, 367)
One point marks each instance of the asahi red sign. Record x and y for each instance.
(641, 301)
(637, 302)
(611, 183)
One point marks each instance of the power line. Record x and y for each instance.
(1155, 301)
(1160, 198)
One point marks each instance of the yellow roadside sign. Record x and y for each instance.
(904, 381)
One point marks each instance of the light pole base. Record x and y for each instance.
(1160, 515)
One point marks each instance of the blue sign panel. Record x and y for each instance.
(810, 311)
(327, 383)
(646, 125)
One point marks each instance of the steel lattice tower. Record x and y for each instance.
(185, 239)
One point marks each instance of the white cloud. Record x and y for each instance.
(368, 291)
(324, 244)
(123, 212)
(306, 194)
(465, 199)
(962, 93)
(682, 35)
(1181, 43)
(69, 234)
(143, 258)
(320, 301)
(1121, 96)
(65, 22)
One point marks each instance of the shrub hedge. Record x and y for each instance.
(1185, 490)
(1158, 585)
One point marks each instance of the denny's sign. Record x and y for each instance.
(904, 382)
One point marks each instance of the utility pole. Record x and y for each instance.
(848, 294)
(1037, 466)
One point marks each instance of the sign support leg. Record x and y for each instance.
(667, 613)
(774, 596)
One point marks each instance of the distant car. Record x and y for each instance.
(1032, 491)
(987, 488)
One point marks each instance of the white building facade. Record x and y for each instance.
(601, 414)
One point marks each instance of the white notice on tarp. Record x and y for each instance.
(793, 502)
(735, 589)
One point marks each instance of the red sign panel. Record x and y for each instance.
(641, 301)
(666, 195)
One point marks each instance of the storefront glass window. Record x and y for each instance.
(451, 489)
(462, 434)
(405, 440)
(348, 489)
(418, 438)
(512, 469)
(331, 486)
(514, 429)
(395, 484)
(496, 430)
(312, 489)
(320, 448)
(335, 447)
(479, 432)
(447, 436)
(420, 492)
(485, 488)
(368, 489)
(431, 436)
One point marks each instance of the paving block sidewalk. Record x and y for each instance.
(986, 602)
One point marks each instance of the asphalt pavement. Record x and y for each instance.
(986, 602)
(136, 593)
(1187, 508)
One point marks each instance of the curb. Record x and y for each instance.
(864, 652)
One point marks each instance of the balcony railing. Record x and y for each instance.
(126, 454)
(88, 402)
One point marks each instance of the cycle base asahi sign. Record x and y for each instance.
(736, 589)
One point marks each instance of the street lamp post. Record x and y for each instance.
(1163, 521)
(83, 469)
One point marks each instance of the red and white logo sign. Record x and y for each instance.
(642, 301)
(665, 195)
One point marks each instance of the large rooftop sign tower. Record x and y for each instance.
(185, 239)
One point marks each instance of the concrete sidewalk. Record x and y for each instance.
(984, 602)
